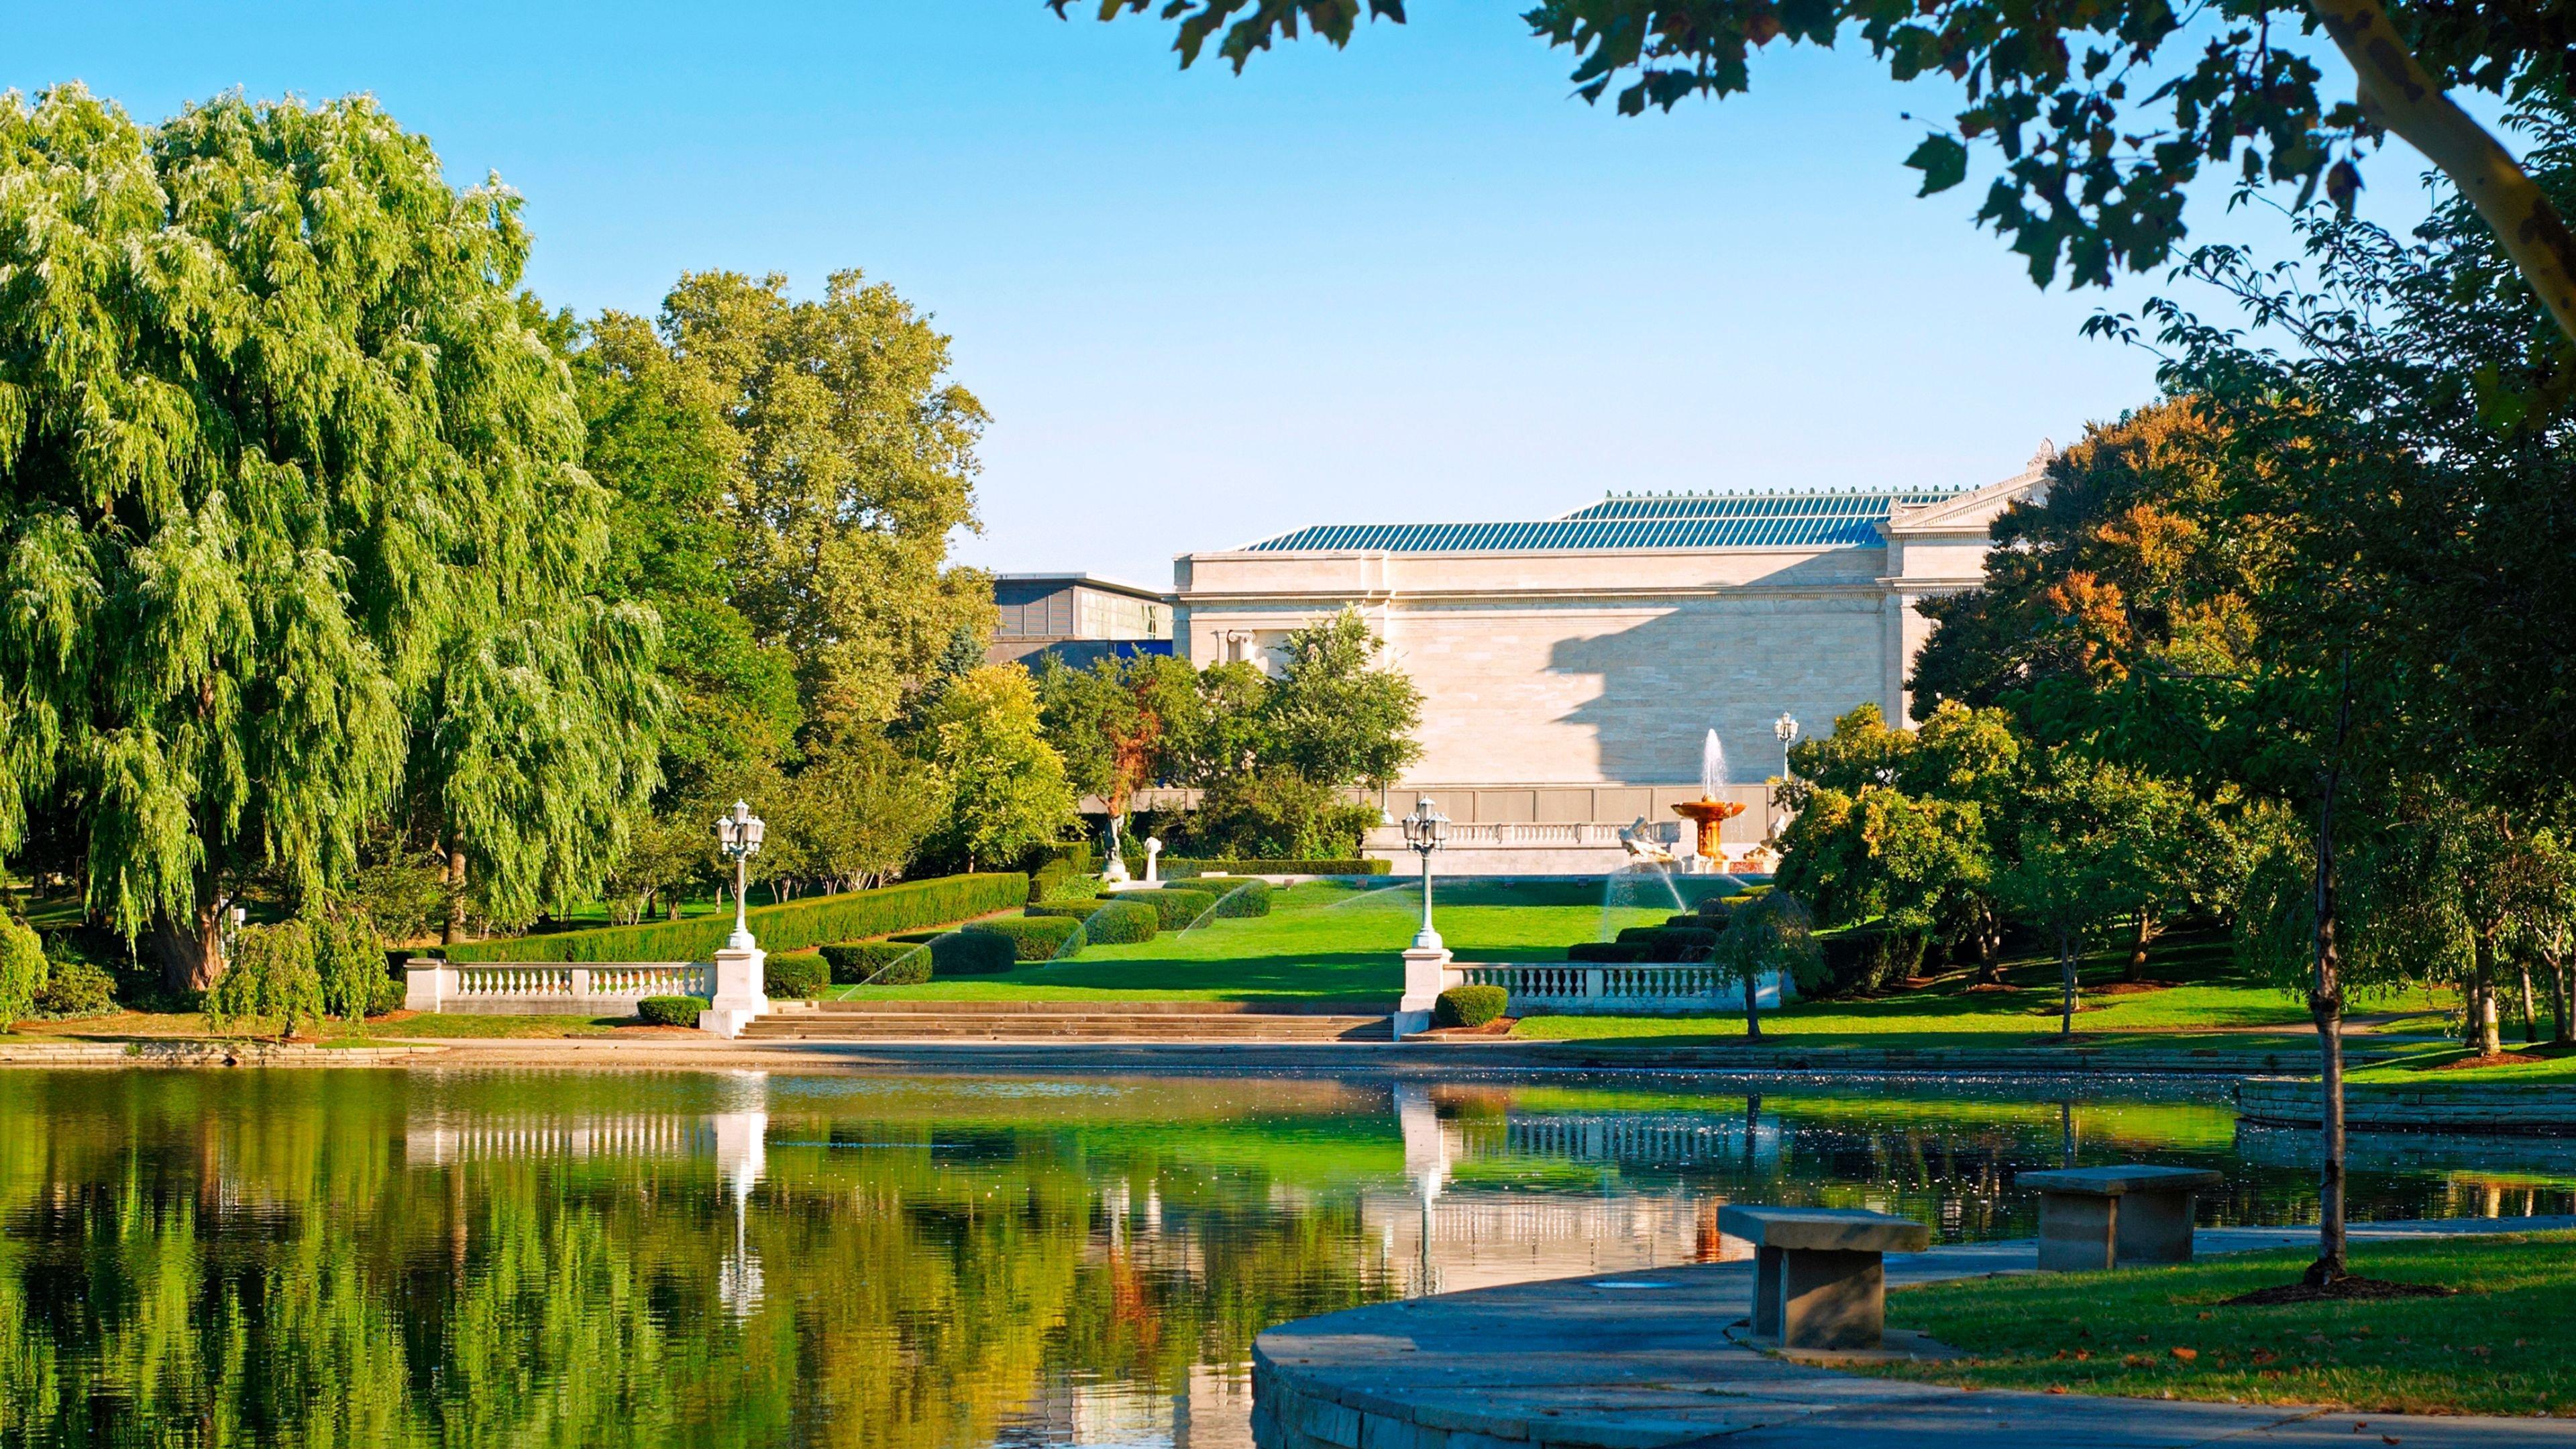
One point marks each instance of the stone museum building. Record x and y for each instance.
(1572, 667)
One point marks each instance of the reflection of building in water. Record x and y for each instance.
(736, 1139)
(1212, 1410)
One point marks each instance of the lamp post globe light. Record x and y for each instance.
(1785, 728)
(1426, 830)
(738, 835)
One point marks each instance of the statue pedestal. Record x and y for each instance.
(1426, 975)
(740, 995)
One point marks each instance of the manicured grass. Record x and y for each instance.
(2505, 1344)
(1321, 940)
(2431, 1069)
(2206, 994)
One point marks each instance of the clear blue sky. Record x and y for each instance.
(1414, 280)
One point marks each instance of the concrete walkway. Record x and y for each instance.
(1635, 1361)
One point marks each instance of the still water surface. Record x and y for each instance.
(467, 1258)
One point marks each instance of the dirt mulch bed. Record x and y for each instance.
(1499, 1026)
(2500, 1059)
(2341, 1290)
(2130, 988)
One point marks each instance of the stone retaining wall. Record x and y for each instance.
(2538, 1109)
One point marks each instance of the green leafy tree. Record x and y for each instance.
(1005, 784)
(2102, 115)
(659, 441)
(1902, 826)
(854, 461)
(1771, 935)
(293, 521)
(22, 969)
(1338, 714)
(2090, 839)
(1275, 813)
(275, 977)
(860, 810)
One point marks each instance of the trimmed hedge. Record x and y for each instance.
(1606, 953)
(670, 1010)
(1671, 943)
(1035, 938)
(1065, 910)
(791, 927)
(1238, 900)
(972, 953)
(1062, 880)
(796, 975)
(1469, 1006)
(1173, 906)
(1124, 921)
(865, 963)
(1185, 868)
(1861, 960)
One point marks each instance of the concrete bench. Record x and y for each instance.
(2093, 1218)
(1817, 1277)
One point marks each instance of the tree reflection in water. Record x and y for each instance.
(353, 1256)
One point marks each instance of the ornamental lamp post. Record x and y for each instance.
(1785, 728)
(1426, 830)
(738, 836)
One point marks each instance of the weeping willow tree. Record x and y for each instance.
(293, 533)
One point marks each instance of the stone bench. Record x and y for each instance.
(1817, 1277)
(2093, 1218)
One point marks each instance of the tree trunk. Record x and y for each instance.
(2325, 1007)
(191, 951)
(2066, 974)
(2398, 93)
(1752, 1006)
(2483, 1034)
(2530, 1025)
(453, 877)
(2562, 1030)
(2137, 967)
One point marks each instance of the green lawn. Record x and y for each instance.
(1322, 940)
(2505, 1344)
(2431, 1069)
(2206, 993)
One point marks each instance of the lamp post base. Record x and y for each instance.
(740, 996)
(1426, 974)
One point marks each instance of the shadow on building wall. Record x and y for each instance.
(1728, 664)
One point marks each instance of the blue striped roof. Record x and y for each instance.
(1689, 520)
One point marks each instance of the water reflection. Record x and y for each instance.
(469, 1258)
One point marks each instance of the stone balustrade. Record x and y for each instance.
(1581, 988)
(544, 988)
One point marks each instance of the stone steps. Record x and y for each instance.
(847, 1024)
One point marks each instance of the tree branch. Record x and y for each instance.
(2398, 93)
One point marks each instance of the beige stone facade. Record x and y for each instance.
(1574, 681)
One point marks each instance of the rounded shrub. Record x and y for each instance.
(1035, 938)
(1238, 899)
(1124, 921)
(1065, 910)
(796, 975)
(670, 1010)
(972, 953)
(877, 963)
(1469, 1006)
(1173, 906)
(1606, 952)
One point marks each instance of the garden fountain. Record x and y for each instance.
(1708, 812)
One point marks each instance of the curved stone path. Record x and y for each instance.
(1635, 1361)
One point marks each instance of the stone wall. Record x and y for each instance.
(2434, 1106)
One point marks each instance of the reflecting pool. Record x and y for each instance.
(461, 1257)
